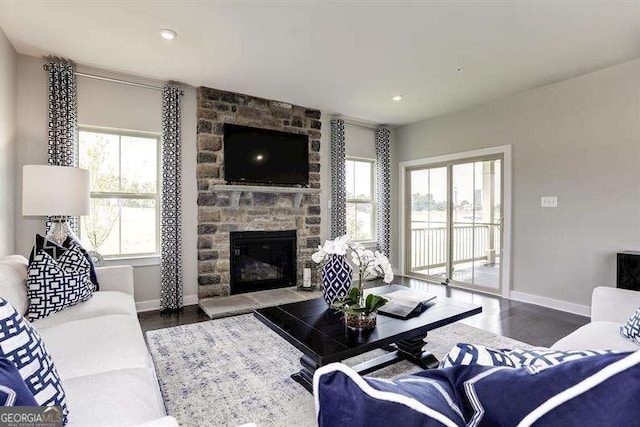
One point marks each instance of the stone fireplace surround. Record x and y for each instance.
(218, 214)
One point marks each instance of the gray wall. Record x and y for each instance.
(579, 140)
(8, 143)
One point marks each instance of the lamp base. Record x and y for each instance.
(60, 230)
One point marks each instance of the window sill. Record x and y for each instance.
(369, 244)
(134, 261)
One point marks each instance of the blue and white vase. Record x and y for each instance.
(337, 276)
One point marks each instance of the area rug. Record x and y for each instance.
(235, 370)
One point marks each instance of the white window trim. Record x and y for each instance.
(505, 150)
(134, 259)
(373, 201)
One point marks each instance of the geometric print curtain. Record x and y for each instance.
(171, 292)
(62, 145)
(383, 189)
(338, 197)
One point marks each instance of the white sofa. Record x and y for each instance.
(99, 351)
(610, 309)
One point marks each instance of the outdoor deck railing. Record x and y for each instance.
(470, 243)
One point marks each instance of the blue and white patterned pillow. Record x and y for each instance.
(631, 329)
(55, 285)
(468, 354)
(54, 250)
(22, 345)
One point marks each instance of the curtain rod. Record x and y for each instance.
(358, 124)
(109, 79)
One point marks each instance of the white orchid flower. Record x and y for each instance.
(319, 255)
(388, 273)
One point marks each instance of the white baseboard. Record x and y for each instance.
(570, 307)
(154, 304)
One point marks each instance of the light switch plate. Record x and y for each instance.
(549, 201)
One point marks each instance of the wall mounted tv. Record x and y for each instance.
(255, 155)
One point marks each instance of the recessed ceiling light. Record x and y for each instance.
(168, 34)
(397, 98)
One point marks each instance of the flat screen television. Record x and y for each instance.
(255, 155)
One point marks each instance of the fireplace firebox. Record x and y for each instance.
(262, 260)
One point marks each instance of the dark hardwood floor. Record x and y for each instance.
(533, 324)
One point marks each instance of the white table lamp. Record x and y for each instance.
(55, 191)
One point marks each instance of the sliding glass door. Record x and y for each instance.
(453, 224)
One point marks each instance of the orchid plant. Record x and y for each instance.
(369, 264)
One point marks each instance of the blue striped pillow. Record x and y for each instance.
(588, 392)
(344, 398)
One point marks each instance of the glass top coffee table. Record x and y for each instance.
(321, 335)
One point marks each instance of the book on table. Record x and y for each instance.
(404, 303)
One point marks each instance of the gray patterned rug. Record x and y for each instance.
(235, 370)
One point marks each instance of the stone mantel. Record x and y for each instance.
(235, 191)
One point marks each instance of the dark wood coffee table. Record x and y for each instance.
(320, 334)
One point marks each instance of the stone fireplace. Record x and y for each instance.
(224, 209)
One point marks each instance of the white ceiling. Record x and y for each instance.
(348, 58)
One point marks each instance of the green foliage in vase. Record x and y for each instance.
(351, 304)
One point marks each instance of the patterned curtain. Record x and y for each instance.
(62, 145)
(383, 177)
(338, 180)
(171, 296)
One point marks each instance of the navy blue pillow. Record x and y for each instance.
(13, 390)
(54, 251)
(589, 392)
(593, 391)
(50, 248)
(345, 399)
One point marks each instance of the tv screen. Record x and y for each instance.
(265, 156)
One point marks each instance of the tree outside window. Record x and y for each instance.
(360, 199)
(124, 214)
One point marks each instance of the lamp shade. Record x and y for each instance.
(54, 190)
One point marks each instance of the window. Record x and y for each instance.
(360, 199)
(125, 199)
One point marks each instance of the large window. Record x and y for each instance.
(125, 199)
(360, 199)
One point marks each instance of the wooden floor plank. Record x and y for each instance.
(537, 325)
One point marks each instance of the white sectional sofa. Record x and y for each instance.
(99, 351)
(610, 309)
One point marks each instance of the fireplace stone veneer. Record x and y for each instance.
(218, 214)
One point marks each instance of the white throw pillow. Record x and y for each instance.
(13, 282)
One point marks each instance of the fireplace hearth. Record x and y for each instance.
(262, 260)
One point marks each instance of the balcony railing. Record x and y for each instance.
(471, 242)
